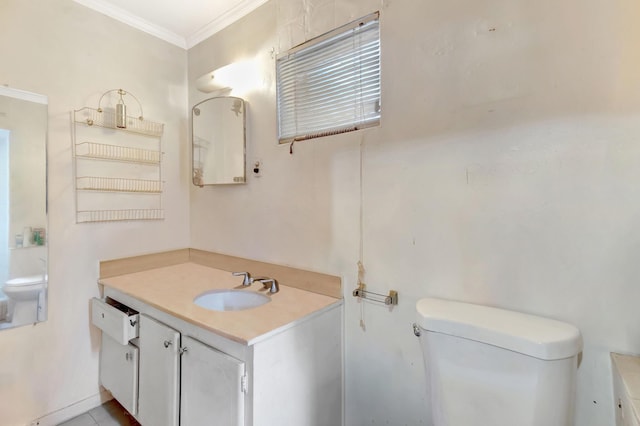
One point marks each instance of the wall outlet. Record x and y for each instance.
(256, 168)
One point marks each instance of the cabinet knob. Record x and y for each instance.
(167, 343)
(128, 356)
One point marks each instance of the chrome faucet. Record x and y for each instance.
(269, 283)
(247, 280)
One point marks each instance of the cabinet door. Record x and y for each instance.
(119, 372)
(212, 387)
(159, 374)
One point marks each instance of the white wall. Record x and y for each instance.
(505, 172)
(73, 55)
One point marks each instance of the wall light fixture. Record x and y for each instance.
(241, 75)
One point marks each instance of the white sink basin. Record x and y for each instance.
(230, 300)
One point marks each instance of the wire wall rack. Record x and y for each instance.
(107, 118)
(119, 215)
(94, 183)
(117, 153)
(117, 163)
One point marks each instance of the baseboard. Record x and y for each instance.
(73, 410)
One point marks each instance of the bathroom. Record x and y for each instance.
(503, 173)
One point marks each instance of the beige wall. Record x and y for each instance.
(505, 172)
(72, 55)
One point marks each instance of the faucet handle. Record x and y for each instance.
(273, 288)
(247, 280)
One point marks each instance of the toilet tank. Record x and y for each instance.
(489, 366)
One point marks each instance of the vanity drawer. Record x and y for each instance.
(115, 319)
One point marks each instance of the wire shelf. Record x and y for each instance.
(94, 183)
(118, 153)
(119, 215)
(107, 119)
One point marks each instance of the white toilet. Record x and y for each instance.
(493, 367)
(26, 295)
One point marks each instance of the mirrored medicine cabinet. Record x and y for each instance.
(218, 141)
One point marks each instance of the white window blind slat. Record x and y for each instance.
(340, 92)
(291, 78)
(336, 104)
(366, 73)
(330, 84)
(336, 55)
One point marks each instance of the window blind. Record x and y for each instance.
(330, 84)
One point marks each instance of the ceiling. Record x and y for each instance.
(184, 23)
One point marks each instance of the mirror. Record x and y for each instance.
(23, 207)
(218, 141)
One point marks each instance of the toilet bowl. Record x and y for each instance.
(489, 366)
(25, 295)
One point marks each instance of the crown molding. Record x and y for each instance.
(23, 95)
(227, 18)
(135, 21)
(243, 8)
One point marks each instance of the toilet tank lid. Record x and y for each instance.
(32, 279)
(531, 335)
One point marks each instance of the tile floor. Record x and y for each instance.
(108, 414)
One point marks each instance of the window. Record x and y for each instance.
(330, 84)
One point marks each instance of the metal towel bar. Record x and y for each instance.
(389, 299)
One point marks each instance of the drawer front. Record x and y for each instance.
(119, 372)
(119, 325)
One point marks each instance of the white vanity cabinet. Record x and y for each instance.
(119, 371)
(185, 382)
(626, 388)
(159, 390)
(212, 386)
(118, 357)
(189, 376)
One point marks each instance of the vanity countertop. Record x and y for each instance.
(172, 289)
